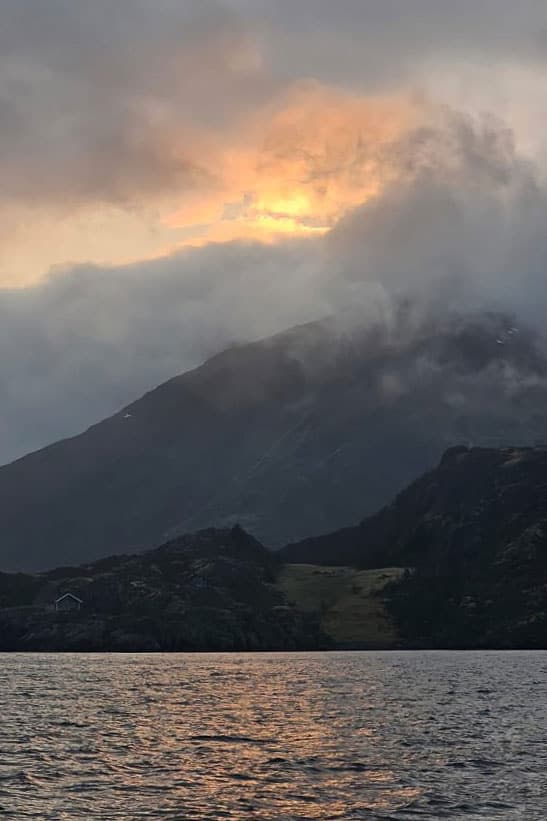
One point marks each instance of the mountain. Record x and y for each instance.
(472, 536)
(212, 590)
(291, 436)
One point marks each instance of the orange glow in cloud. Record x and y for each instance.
(297, 167)
(291, 169)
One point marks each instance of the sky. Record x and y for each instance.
(177, 177)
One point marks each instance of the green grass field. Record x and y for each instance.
(349, 601)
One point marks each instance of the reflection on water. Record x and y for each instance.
(274, 736)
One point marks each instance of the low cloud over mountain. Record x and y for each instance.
(459, 229)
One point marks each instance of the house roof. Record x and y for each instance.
(68, 596)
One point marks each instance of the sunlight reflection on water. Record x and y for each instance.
(274, 736)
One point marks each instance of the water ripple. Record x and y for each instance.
(273, 737)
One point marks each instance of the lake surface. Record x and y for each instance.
(274, 736)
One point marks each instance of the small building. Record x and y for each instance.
(68, 601)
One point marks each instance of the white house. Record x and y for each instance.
(68, 601)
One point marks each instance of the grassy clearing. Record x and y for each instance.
(348, 601)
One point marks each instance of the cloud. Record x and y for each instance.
(460, 226)
(168, 123)
(120, 102)
(164, 121)
(462, 229)
(306, 158)
(114, 101)
(301, 161)
(377, 46)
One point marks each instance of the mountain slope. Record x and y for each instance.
(474, 531)
(348, 603)
(290, 436)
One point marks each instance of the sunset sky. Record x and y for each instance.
(177, 176)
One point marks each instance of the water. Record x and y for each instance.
(274, 736)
